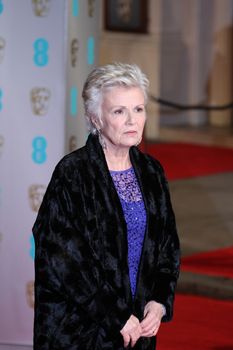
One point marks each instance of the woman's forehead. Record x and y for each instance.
(120, 95)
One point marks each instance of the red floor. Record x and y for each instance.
(199, 324)
(214, 263)
(184, 160)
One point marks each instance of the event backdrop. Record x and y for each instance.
(47, 47)
(83, 20)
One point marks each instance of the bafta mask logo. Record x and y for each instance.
(30, 294)
(40, 97)
(1, 144)
(72, 143)
(36, 194)
(41, 7)
(91, 8)
(74, 52)
(124, 10)
(2, 48)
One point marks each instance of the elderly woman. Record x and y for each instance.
(107, 250)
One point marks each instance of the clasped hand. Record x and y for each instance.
(148, 327)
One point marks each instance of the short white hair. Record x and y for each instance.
(106, 77)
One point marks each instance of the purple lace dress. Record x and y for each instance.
(135, 216)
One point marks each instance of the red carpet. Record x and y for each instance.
(183, 160)
(199, 324)
(215, 263)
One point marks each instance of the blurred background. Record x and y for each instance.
(47, 48)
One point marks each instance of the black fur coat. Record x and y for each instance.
(82, 289)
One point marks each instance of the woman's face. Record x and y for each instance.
(123, 116)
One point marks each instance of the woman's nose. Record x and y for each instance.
(130, 117)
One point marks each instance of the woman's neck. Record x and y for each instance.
(117, 159)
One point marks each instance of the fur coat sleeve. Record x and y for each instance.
(82, 288)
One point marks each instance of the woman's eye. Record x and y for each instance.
(118, 111)
(139, 109)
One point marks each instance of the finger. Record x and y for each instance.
(148, 321)
(145, 312)
(152, 332)
(156, 330)
(134, 339)
(147, 325)
(126, 339)
(149, 333)
(135, 334)
(150, 328)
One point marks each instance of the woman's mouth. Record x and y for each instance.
(131, 132)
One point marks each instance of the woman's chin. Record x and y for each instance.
(132, 142)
